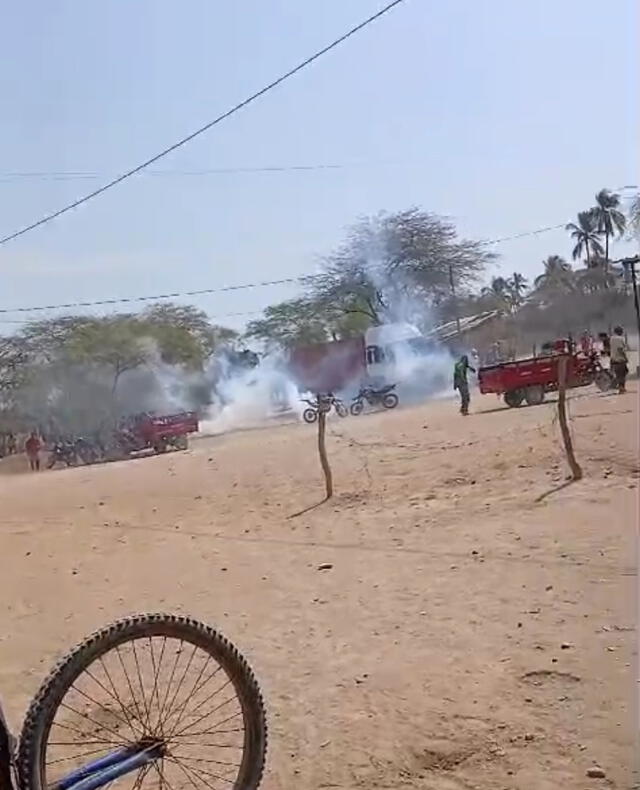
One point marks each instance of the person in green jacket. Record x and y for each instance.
(461, 383)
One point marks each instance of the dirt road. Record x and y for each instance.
(475, 630)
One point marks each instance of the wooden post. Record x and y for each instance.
(576, 470)
(322, 450)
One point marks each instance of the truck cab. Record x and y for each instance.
(392, 350)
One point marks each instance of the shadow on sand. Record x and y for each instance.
(309, 508)
(555, 490)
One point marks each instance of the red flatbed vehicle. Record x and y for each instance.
(147, 431)
(530, 379)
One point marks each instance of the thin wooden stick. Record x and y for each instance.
(576, 469)
(322, 450)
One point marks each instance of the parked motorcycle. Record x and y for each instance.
(63, 453)
(87, 450)
(324, 403)
(384, 397)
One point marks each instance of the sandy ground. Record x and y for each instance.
(476, 629)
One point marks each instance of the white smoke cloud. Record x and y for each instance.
(249, 398)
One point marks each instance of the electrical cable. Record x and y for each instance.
(241, 105)
(227, 288)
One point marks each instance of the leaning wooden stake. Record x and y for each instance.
(322, 451)
(576, 470)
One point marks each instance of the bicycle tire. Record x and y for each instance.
(43, 708)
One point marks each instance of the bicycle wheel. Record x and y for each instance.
(151, 700)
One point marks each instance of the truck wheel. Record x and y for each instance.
(514, 398)
(309, 415)
(534, 395)
(182, 442)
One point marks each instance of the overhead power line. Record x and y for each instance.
(156, 297)
(227, 288)
(241, 105)
(77, 175)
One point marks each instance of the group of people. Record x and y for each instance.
(8, 444)
(614, 347)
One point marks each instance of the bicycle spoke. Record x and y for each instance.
(209, 732)
(206, 715)
(184, 674)
(126, 674)
(173, 671)
(98, 704)
(115, 694)
(211, 745)
(142, 773)
(74, 756)
(188, 775)
(163, 778)
(80, 733)
(203, 760)
(179, 686)
(191, 694)
(144, 698)
(93, 721)
(156, 674)
(206, 773)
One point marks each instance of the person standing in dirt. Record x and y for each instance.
(461, 383)
(32, 447)
(619, 359)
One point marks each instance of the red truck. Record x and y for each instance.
(528, 380)
(146, 431)
(328, 367)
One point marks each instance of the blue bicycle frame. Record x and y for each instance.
(89, 777)
(112, 766)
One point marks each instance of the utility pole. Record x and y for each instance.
(630, 266)
(455, 299)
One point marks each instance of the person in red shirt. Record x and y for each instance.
(32, 446)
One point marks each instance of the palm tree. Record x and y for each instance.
(608, 218)
(556, 276)
(497, 288)
(517, 284)
(634, 214)
(585, 234)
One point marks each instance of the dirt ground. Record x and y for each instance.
(476, 628)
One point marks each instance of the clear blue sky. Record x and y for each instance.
(504, 115)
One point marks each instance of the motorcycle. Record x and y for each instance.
(87, 451)
(324, 404)
(374, 397)
(63, 453)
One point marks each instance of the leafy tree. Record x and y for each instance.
(295, 322)
(391, 260)
(114, 343)
(496, 295)
(517, 286)
(13, 362)
(586, 235)
(634, 214)
(44, 340)
(608, 217)
(184, 333)
(557, 275)
(498, 288)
